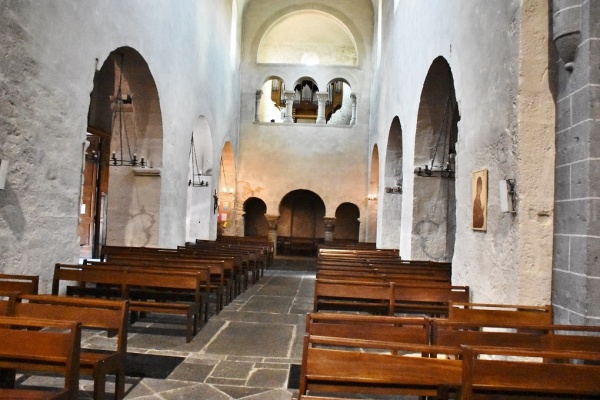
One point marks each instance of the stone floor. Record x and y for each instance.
(244, 352)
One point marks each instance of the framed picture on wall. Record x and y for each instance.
(479, 192)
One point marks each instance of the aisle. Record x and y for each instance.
(244, 352)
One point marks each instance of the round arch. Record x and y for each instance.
(125, 126)
(301, 216)
(347, 223)
(255, 221)
(373, 196)
(325, 40)
(271, 107)
(226, 205)
(434, 201)
(392, 195)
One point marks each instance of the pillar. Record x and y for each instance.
(257, 106)
(322, 100)
(353, 118)
(329, 227)
(239, 220)
(272, 221)
(289, 105)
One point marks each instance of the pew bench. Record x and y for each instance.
(19, 283)
(25, 345)
(130, 279)
(480, 313)
(96, 314)
(354, 296)
(340, 365)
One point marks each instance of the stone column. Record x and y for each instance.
(363, 235)
(289, 105)
(353, 118)
(259, 94)
(272, 221)
(322, 99)
(329, 227)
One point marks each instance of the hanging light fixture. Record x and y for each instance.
(123, 103)
(197, 176)
(446, 168)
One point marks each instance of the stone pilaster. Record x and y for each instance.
(289, 105)
(322, 100)
(272, 220)
(329, 228)
(353, 118)
(259, 94)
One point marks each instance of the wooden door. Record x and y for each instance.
(87, 212)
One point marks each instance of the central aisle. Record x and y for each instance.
(244, 352)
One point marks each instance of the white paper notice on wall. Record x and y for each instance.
(224, 217)
(3, 173)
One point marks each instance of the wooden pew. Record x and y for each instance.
(356, 296)
(108, 315)
(129, 279)
(479, 313)
(211, 275)
(369, 327)
(19, 283)
(431, 299)
(25, 346)
(502, 372)
(341, 365)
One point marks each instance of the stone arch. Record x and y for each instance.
(227, 189)
(338, 109)
(271, 107)
(392, 195)
(347, 223)
(255, 221)
(305, 100)
(125, 122)
(434, 201)
(325, 40)
(199, 196)
(301, 215)
(373, 197)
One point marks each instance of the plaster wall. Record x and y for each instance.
(51, 52)
(481, 41)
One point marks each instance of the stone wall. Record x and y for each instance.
(482, 44)
(576, 281)
(51, 52)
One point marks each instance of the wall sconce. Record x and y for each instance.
(3, 173)
(507, 195)
(430, 170)
(395, 189)
(372, 196)
(226, 190)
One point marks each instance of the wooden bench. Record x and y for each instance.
(430, 299)
(108, 315)
(130, 279)
(502, 372)
(207, 271)
(355, 296)
(26, 346)
(369, 327)
(480, 313)
(19, 283)
(341, 365)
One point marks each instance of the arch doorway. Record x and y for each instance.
(301, 225)
(123, 152)
(434, 202)
(392, 195)
(255, 221)
(347, 224)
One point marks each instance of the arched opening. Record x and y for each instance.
(255, 221)
(392, 195)
(272, 101)
(347, 224)
(372, 197)
(226, 204)
(306, 103)
(301, 223)
(338, 107)
(199, 194)
(434, 202)
(125, 144)
(325, 40)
